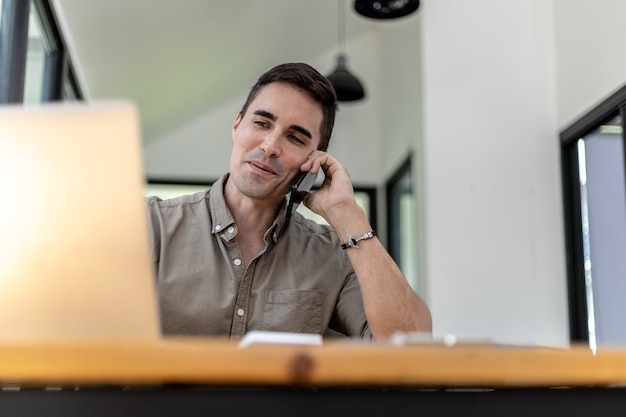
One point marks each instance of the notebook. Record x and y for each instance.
(74, 253)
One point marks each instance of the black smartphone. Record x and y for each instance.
(302, 186)
(299, 189)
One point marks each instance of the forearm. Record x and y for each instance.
(390, 303)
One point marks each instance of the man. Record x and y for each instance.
(230, 260)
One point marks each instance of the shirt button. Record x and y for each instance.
(218, 227)
(240, 312)
(231, 229)
(237, 261)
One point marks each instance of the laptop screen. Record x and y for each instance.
(74, 254)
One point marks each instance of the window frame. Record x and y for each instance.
(573, 218)
(13, 49)
(59, 78)
(394, 244)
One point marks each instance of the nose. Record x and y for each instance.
(271, 145)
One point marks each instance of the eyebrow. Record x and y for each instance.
(272, 117)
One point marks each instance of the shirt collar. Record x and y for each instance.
(222, 218)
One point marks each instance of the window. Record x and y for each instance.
(33, 64)
(170, 189)
(35, 61)
(401, 208)
(594, 183)
(366, 197)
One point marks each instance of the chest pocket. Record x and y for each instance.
(297, 311)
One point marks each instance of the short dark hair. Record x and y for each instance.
(307, 79)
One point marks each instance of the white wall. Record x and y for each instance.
(495, 81)
(494, 238)
(591, 61)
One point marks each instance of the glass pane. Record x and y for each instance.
(69, 92)
(362, 198)
(407, 238)
(35, 60)
(603, 191)
(402, 239)
(166, 191)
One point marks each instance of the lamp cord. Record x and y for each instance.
(341, 27)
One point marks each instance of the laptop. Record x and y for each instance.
(74, 252)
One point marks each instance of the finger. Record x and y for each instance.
(313, 162)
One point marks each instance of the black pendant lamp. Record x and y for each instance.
(347, 86)
(385, 9)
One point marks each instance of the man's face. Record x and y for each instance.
(279, 130)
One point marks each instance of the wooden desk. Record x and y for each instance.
(195, 376)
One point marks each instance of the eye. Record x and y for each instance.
(260, 123)
(296, 139)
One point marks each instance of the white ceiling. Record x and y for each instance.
(181, 59)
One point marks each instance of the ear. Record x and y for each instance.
(236, 124)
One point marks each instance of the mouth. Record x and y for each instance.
(261, 168)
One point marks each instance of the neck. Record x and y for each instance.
(252, 216)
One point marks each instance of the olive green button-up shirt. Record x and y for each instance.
(299, 281)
